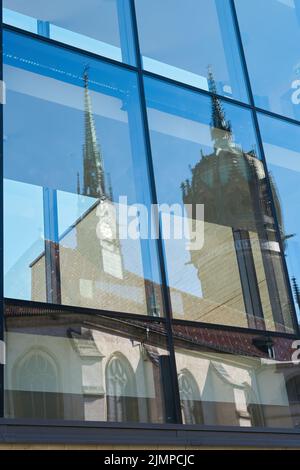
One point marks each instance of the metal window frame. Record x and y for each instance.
(263, 156)
(89, 433)
(2, 326)
(13, 430)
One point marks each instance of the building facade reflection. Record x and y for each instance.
(85, 265)
(240, 266)
(68, 366)
(84, 367)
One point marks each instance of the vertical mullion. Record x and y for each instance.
(160, 247)
(263, 157)
(2, 320)
(51, 236)
(125, 30)
(276, 225)
(242, 53)
(228, 37)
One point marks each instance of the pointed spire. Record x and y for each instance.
(94, 182)
(296, 290)
(219, 125)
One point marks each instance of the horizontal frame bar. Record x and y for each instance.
(148, 73)
(37, 432)
(62, 45)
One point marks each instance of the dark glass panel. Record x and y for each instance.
(281, 142)
(236, 379)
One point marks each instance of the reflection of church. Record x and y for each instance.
(62, 365)
(240, 266)
(94, 367)
(83, 367)
(89, 270)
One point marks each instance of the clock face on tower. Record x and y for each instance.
(107, 233)
(107, 225)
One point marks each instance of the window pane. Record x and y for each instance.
(84, 367)
(19, 255)
(282, 149)
(205, 152)
(73, 147)
(99, 26)
(183, 39)
(271, 35)
(236, 379)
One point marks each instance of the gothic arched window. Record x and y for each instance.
(189, 398)
(293, 391)
(37, 387)
(122, 404)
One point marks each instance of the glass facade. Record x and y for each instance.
(99, 26)
(272, 58)
(82, 117)
(81, 367)
(232, 278)
(150, 187)
(282, 149)
(229, 379)
(190, 40)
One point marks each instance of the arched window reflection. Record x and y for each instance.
(293, 391)
(122, 404)
(189, 398)
(37, 387)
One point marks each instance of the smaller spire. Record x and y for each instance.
(93, 171)
(86, 76)
(220, 126)
(296, 290)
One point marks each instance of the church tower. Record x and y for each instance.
(239, 223)
(102, 218)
